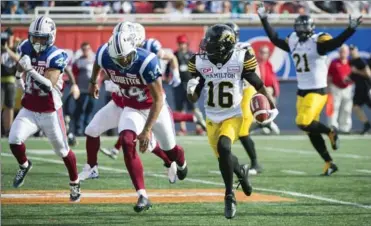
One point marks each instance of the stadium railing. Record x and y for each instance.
(89, 16)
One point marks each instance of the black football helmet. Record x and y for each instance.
(219, 42)
(304, 27)
(235, 28)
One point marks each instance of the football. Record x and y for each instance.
(259, 106)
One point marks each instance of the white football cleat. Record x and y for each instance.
(89, 173)
(172, 172)
(113, 153)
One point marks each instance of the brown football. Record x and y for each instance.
(259, 106)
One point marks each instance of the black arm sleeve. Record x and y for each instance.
(196, 74)
(43, 87)
(253, 79)
(332, 44)
(273, 36)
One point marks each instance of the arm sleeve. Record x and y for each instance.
(59, 62)
(248, 72)
(273, 36)
(195, 73)
(152, 70)
(326, 43)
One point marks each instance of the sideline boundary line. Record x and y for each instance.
(290, 193)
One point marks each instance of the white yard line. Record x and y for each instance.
(294, 172)
(363, 171)
(214, 172)
(290, 193)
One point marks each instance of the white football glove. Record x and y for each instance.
(192, 84)
(354, 22)
(175, 81)
(262, 12)
(272, 115)
(25, 63)
(111, 87)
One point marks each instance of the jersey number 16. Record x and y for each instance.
(225, 99)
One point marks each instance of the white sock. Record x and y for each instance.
(25, 165)
(75, 182)
(142, 192)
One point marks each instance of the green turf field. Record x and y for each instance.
(291, 171)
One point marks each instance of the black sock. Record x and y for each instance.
(226, 163)
(236, 166)
(249, 146)
(316, 127)
(319, 144)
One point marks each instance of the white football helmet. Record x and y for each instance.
(42, 28)
(124, 27)
(140, 33)
(122, 49)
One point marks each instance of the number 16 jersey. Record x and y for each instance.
(222, 84)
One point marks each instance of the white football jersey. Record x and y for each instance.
(311, 67)
(223, 86)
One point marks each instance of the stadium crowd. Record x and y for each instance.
(194, 7)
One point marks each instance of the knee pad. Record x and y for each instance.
(13, 139)
(127, 138)
(92, 131)
(224, 146)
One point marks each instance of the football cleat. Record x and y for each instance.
(182, 171)
(89, 173)
(334, 138)
(243, 181)
(21, 175)
(75, 192)
(230, 206)
(329, 169)
(71, 139)
(142, 204)
(366, 127)
(113, 153)
(172, 172)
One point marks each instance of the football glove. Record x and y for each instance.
(272, 115)
(25, 63)
(354, 22)
(192, 84)
(262, 12)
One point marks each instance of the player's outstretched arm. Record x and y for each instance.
(93, 86)
(326, 43)
(272, 34)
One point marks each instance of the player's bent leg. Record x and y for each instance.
(165, 135)
(135, 168)
(23, 126)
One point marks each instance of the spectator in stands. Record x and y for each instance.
(101, 7)
(361, 75)
(200, 7)
(183, 54)
(160, 7)
(267, 74)
(82, 69)
(331, 6)
(341, 90)
(180, 9)
(8, 68)
(123, 7)
(13, 8)
(227, 7)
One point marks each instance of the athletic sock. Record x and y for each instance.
(226, 165)
(19, 152)
(92, 149)
(249, 146)
(70, 163)
(319, 144)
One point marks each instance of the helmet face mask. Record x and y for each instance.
(42, 33)
(125, 61)
(304, 27)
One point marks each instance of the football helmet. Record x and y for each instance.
(304, 27)
(122, 49)
(235, 28)
(140, 33)
(124, 27)
(219, 42)
(42, 33)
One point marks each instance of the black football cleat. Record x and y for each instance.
(142, 204)
(244, 180)
(334, 138)
(21, 175)
(230, 206)
(182, 171)
(329, 169)
(75, 192)
(366, 127)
